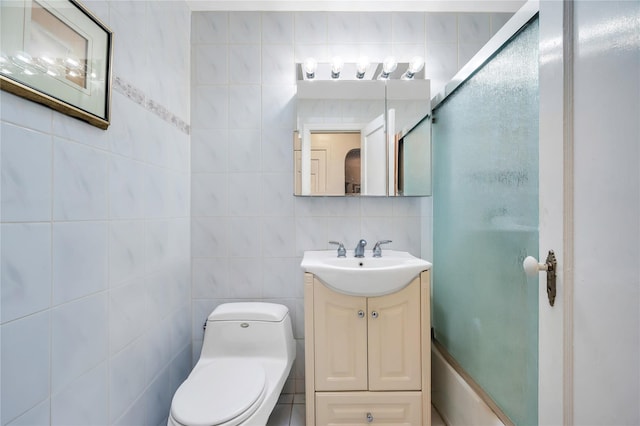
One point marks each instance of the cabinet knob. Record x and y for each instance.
(369, 418)
(374, 314)
(360, 313)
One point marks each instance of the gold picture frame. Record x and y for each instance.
(57, 53)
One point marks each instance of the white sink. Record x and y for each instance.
(367, 276)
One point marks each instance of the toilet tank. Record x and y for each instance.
(249, 329)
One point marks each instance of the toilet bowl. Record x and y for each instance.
(247, 354)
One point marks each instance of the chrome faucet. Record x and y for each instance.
(359, 251)
(342, 252)
(377, 250)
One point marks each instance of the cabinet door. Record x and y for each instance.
(369, 408)
(340, 323)
(394, 340)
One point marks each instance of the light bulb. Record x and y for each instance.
(415, 65)
(361, 67)
(336, 67)
(310, 65)
(388, 66)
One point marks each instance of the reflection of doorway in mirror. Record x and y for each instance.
(334, 147)
(352, 172)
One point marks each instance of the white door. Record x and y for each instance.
(373, 154)
(555, 193)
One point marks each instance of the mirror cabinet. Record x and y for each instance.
(368, 137)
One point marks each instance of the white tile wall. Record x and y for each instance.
(79, 339)
(26, 369)
(127, 310)
(79, 182)
(248, 231)
(210, 64)
(26, 269)
(95, 320)
(84, 401)
(311, 27)
(38, 415)
(244, 27)
(79, 259)
(26, 171)
(126, 377)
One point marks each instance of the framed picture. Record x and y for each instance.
(57, 53)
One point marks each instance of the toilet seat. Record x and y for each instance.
(224, 392)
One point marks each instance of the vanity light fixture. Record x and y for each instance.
(415, 66)
(361, 67)
(388, 66)
(310, 65)
(336, 67)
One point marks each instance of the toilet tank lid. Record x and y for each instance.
(249, 311)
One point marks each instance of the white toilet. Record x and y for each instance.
(247, 353)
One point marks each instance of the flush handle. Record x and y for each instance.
(369, 418)
(532, 267)
(360, 313)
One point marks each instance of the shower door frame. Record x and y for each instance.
(555, 345)
(555, 171)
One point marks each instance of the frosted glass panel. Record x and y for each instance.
(485, 147)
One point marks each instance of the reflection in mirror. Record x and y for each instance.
(332, 120)
(330, 168)
(409, 137)
(413, 160)
(352, 172)
(346, 143)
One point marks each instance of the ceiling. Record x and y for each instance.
(359, 5)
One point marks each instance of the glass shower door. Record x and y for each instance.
(485, 150)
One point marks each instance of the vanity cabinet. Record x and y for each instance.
(367, 359)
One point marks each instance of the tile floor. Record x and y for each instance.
(290, 412)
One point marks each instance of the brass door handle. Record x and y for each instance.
(532, 267)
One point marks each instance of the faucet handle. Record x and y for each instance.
(342, 252)
(377, 250)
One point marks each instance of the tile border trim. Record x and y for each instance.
(139, 97)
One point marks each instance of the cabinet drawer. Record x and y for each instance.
(369, 408)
